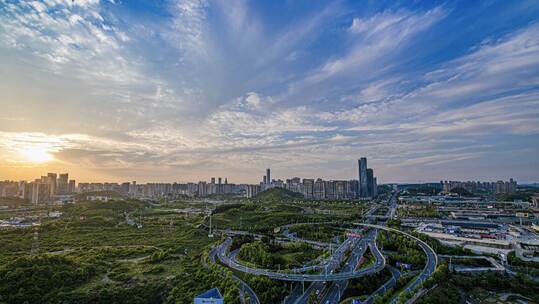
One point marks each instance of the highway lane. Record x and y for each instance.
(314, 287)
(318, 279)
(225, 259)
(296, 293)
(337, 288)
(432, 261)
(253, 298)
(430, 266)
(432, 258)
(334, 263)
(428, 270)
(395, 275)
(392, 213)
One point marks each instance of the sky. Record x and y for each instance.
(186, 90)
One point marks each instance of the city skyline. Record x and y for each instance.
(225, 179)
(54, 187)
(186, 90)
(248, 179)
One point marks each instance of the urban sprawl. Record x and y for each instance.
(59, 188)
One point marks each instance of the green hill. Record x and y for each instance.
(277, 194)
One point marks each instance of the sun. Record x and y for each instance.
(37, 154)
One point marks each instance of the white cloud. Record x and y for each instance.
(377, 23)
(79, 43)
(382, 35)
(188, 91)
(516, 114)
(470, 81)
(188, 32)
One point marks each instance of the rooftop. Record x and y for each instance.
(210, 294)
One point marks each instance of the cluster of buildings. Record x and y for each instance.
(363, 188)
(477, 186)
(56, 187)
(41, 190)
(484, 237)
(159, 190)
(311, 188)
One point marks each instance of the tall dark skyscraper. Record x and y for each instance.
(268, 176)
(363, 183)
(370, 182)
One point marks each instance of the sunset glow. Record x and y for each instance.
(36, 154)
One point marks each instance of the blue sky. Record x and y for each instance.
(186, 90)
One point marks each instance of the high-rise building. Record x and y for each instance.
(22, 189)
(62, 184)
(9, 189)
(354, 188)
(252, 190)
(319, 191)
(132, 188)
(124, 188)
(72, 187)
(308, 188)
(28, 189)
(279, 183)
(330, 190)
(340, 189)
(363, 182)
(294, 185)
(51, 180)
(202, 191)
(370, 182)
(268, 176)
(375, 188)
(40, 192)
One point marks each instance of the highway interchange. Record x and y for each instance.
(330, 282)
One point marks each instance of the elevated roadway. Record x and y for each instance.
(223, 256)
